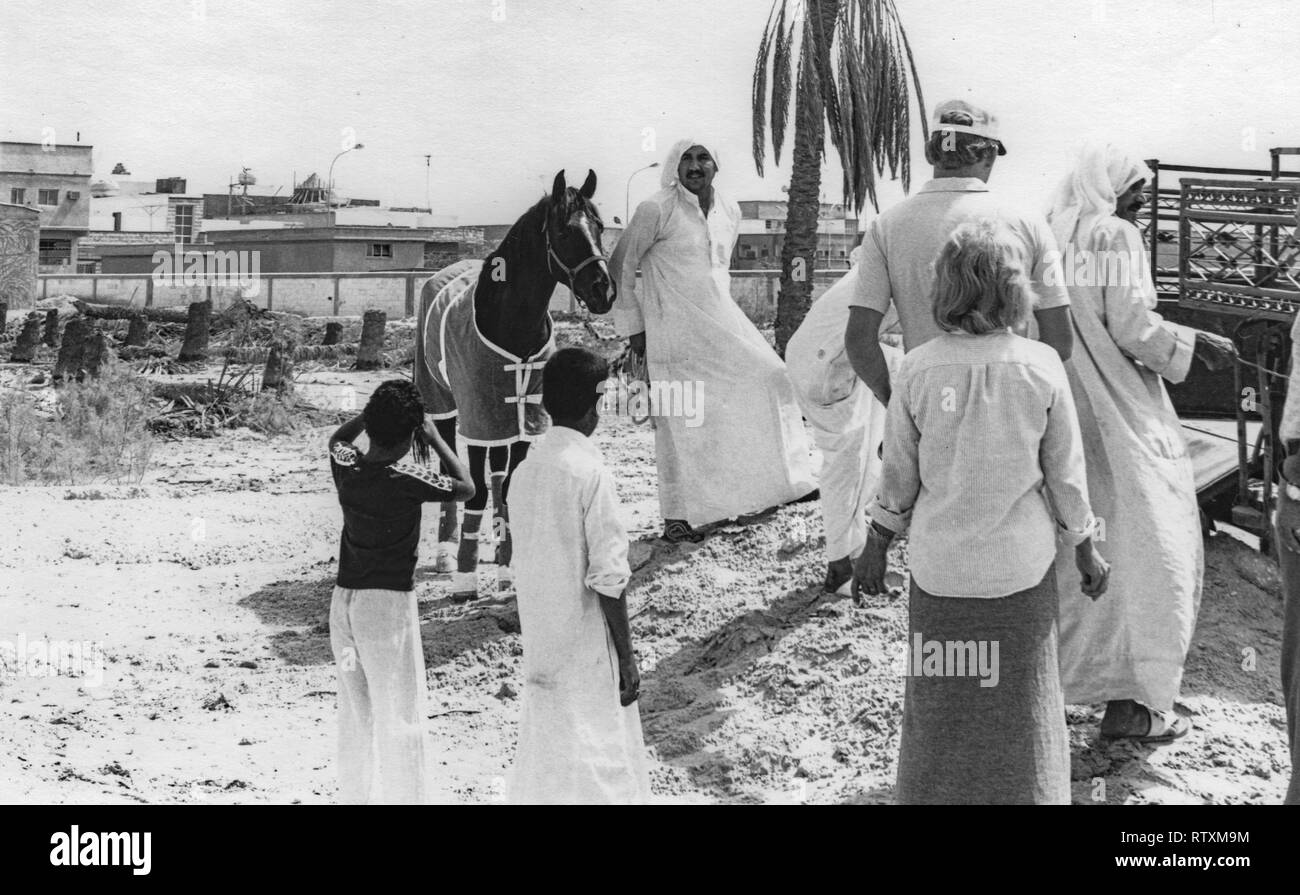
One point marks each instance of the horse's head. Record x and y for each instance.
(573, 230)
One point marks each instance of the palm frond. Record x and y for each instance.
(759, 100)
(782, 82)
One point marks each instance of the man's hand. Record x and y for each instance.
(869, 567)
(629, 681)
(1094, 570)
(1216, 352)
(636, 342)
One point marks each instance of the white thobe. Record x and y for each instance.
(744, 449)
(1131, 643)
(577, 745)
(848, 423)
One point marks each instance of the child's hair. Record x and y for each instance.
(571, 383)
(980, 284)
(393, 413)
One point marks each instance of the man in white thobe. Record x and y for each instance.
(848, 422)
(1129, 649)
(580, 736)
(745, 448)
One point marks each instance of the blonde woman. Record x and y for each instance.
(983, 460)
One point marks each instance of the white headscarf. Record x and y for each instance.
(1088, 194)
(668, 176)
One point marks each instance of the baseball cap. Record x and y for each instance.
(983, 123)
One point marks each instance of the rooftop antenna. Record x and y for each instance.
(244, 180)
(428, 203)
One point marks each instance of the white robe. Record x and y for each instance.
(848, 423)
(577, 745)
(1132, 642)
(749, 451)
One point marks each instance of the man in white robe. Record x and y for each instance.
(744, 449)
(1128, 650)
(848, 422)
(580, 738)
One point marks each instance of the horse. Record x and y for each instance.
(483, 335)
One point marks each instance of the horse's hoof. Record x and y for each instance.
(464, 587)
(445, 561)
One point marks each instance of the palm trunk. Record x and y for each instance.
(68, 366)
(28, 339)
(372, 340)
(799, 253)
(95, 353)
(197, 327)
(278, 373)
(138, 331)
(51, 334)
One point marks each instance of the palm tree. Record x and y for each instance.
(847, 63)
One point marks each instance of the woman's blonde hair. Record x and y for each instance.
(980, 285)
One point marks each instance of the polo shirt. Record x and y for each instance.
(900, 246)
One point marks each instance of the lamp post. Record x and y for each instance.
(627, 193)
(329, 186)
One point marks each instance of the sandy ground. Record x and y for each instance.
(208, 587)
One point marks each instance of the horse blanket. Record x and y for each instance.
(496, 395)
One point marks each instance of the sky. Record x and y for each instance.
(504, 93)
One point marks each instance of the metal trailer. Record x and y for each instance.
(1224, 251)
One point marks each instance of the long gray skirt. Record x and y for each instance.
(967, 744)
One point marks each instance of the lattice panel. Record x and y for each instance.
(1239, 248)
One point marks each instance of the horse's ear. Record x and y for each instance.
(558, 188)
(589, 185)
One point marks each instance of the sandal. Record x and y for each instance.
(677, 530)
(1161, 727)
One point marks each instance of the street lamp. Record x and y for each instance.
(627, 193)
(329, 186)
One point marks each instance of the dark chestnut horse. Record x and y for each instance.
(484, 334)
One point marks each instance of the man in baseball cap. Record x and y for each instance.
(957, 116)
(899, 246)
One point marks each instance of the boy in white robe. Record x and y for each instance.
(580, 736)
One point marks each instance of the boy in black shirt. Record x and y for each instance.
(374, 625)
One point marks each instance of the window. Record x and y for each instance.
(184, 224)
(47, 197)
(18, 196)
(55, 252)
(379, 250)
(117, 222)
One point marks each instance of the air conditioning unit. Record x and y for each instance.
(74, 195)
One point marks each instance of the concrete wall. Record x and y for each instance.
(351, 255)
(313, 295)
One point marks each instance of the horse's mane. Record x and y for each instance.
(530, 222)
